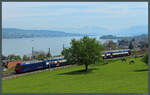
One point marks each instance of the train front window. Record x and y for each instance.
(18, 65)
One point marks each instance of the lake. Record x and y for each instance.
(24, 45)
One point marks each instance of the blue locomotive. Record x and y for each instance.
(31, 66)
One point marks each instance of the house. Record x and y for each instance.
(123, 44)
(12, 64)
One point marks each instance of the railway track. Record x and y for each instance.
(14, 75)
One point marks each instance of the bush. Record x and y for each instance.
(14, 57)
(40, 55)
(134, 52)
(145, 58)
(26, 58)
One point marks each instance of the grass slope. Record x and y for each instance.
(116, 77)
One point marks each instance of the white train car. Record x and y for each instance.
(116, 53)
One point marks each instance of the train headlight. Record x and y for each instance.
(47, 63)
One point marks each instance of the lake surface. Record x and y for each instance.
(24, 45)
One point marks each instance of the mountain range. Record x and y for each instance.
(133, 31)
(81, 31)
(21, 33)
(99, 31)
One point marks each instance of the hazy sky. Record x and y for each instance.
(63, 15)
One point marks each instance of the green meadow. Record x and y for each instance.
(115, 77)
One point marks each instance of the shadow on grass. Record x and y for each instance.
(77, 72)
(142, 70)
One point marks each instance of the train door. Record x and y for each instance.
(129, 52)
(111, 55)
(58, 63)
(105, 56)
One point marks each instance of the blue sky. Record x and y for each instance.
(70, 15)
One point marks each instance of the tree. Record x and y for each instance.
(14, 57)
(110, 45)
(133, 40)
(26, 58)
(84, 51)
(130, 45)
(18, 57)
(67, 53)
(4, 57)
(40, 55)
(145, 58)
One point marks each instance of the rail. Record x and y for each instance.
(14, 75)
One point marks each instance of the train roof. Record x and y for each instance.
(37, 62)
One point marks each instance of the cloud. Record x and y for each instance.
(66, 13)
(36, 9)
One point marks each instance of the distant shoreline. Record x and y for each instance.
(105, 37)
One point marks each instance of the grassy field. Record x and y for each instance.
(115, 77)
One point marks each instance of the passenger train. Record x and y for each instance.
(60, 61)
(116, 53)
(48, 63)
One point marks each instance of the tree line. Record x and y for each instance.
(38, 55)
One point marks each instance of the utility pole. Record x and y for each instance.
(32, 52)
(63, 46)
(49, 50)
(49, 53)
